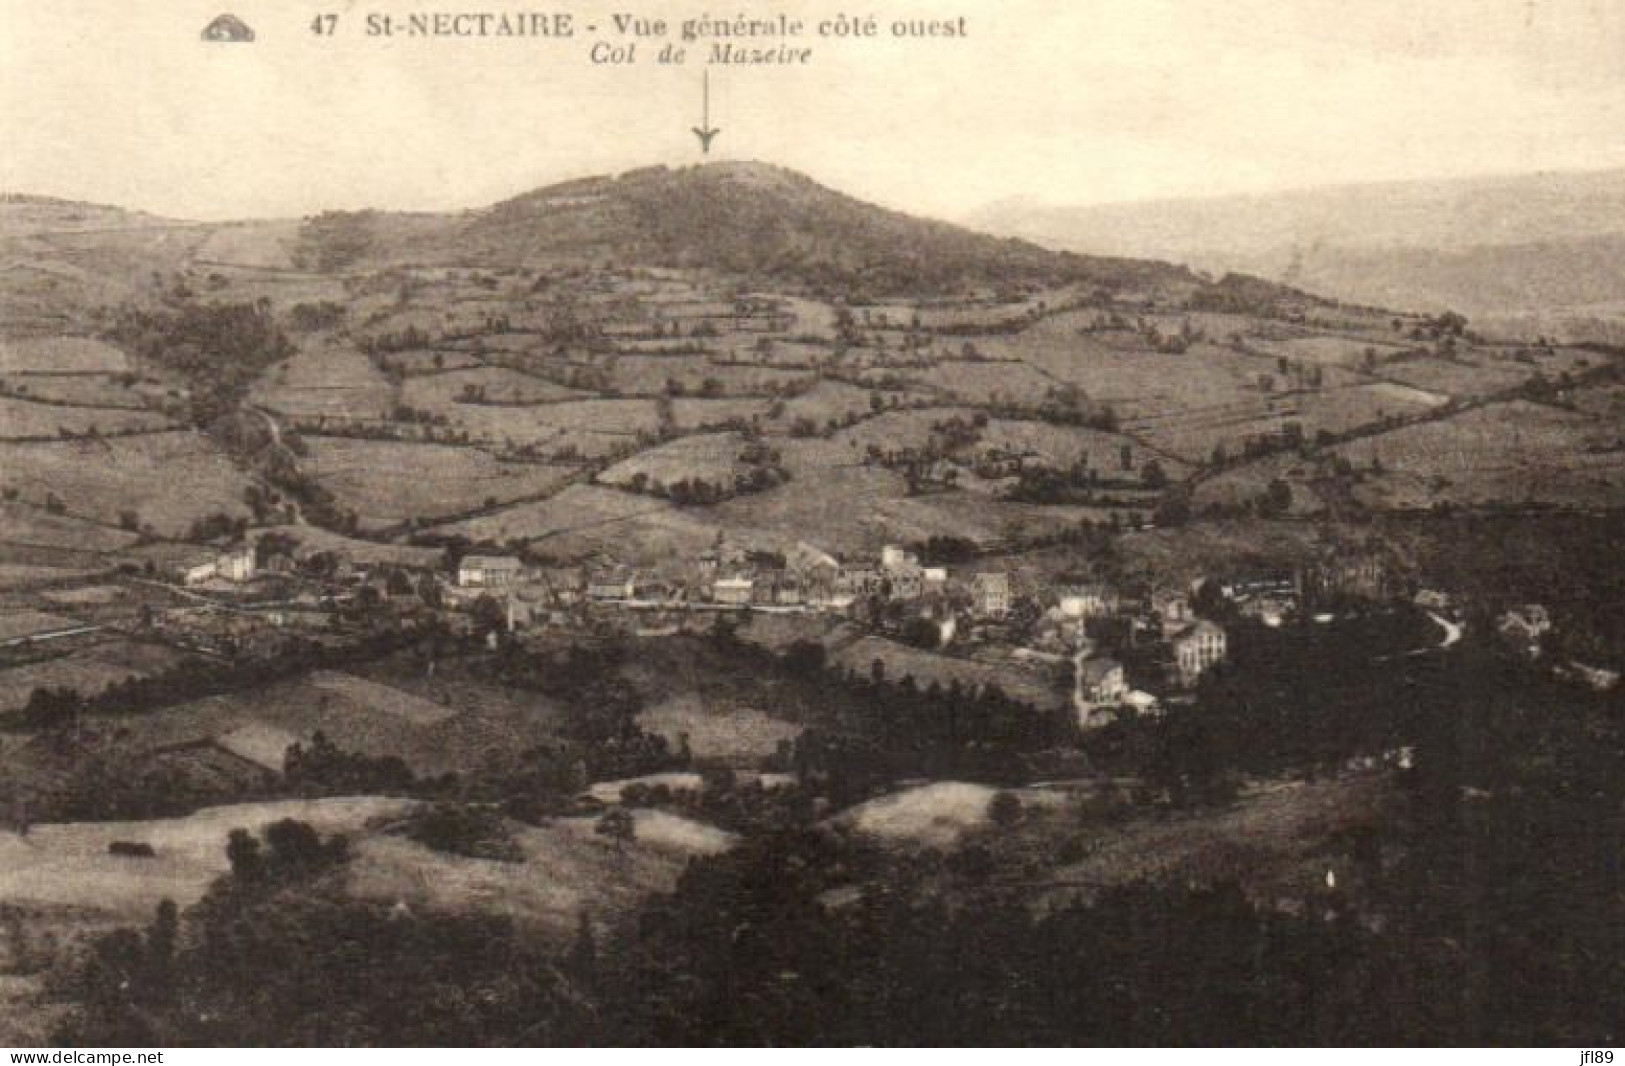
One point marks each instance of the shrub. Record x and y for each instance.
(458, 829)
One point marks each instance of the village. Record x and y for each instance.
(644, 541)
(1103, 652)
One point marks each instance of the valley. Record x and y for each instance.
(687, 578)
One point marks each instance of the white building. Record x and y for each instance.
(614, 584)
(902, 573)
(894, 558)
(1087, 601)
(1198, 648)
(197, 570)
(1099, 686)
(488, 571)
(736, 591)
(236, 564)
(992, 593)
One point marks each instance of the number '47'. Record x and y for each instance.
(324, 25)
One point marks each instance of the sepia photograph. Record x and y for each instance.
(934, 524)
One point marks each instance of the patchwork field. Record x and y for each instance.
(426, 731)
(331, 381)
(412, 710)
(829, 400)
(850, 507)
(386, 482)
(1336, 410)
(26, 420)
(428, 361)
(1473, 375)
(568, 869)
(941, 814)
(283, 289)
(69, 864)
(690, 414)
(646, 374)
(649, 375)
(1140, 383)
(487, 342)
(30, 526)
(168, 479)
(926, 667)
(1247, 484)
(1514, 453)
(26, 623)
(55, 279)
(778, 351)
(1328, 350)
(989, 313)
(1406, 394)
(497, 385)
(713, 457)
(252, 244)
(1062, 446)
(480, 696)
(312, 539)
(592, 427)
(85, 390)
(812, 317)
(21, 575)
(86, 595)
(61, 355)
(587, 520)
(935, 815)
(854, 508)
(743, 737)
(890, 431)
(985, 382)
(87, 670)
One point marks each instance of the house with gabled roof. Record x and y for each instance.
(488, 571)
(990, 591)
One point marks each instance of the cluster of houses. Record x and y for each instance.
(1101, 688)
(1272, 596)
(198, 566)
(1196, 645)
(1058, 624)
(489, 572)
(729, 577)
(1052, 624)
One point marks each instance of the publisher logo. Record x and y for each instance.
(228, 29)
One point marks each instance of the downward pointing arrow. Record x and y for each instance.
(704, 131)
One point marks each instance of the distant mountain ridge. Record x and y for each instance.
(1439, 215)
(1531, 243)
(25, 212)
(751, 219)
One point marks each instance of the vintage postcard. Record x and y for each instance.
(936, 522)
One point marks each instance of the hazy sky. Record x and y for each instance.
(1068, 101)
